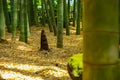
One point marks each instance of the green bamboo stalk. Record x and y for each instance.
(68, 9)
(15, 19)
(78, 17)
(100, 39)
(43, 13)
(35, 12)
(74, 13)
(53, 17)
(7, 18)
(25, 21)
(48, 15)
(60, 24)
(66, 18)
(2, 21)
(22, 29)
(31, 13)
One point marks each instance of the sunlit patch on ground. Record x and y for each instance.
(10, 75)
(28, 72)
(21, 47)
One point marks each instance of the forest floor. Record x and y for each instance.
(20, 61)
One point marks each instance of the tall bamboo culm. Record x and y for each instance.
(100, 31)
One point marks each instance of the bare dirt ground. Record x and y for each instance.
(20, 61)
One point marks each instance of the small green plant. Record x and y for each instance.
(76, 64)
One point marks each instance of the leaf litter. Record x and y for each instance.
(21, 61)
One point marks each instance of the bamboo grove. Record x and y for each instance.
(20, 15)
(100, 19)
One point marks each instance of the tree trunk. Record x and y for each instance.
(23, 28)
(60, 24)
(119, 28)
(11, 11)
(7, 18)
(53, 17)
(35, 12)
(2, 21)
(18, 14)
(119, 24)
(48, 16)
(66, 18)
(78, 17)
(28, 26)
(14, 18)
(74, 13)
(43, 13)
(100, 39)
(27, 17)
(68, 9)
(31, 13)
(25, 21)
